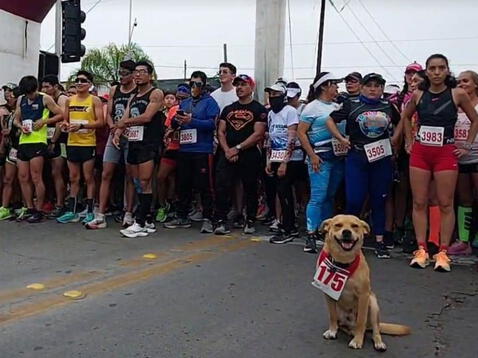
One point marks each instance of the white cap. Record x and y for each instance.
(327, 77)
(279, 87)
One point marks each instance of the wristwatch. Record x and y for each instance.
(238, 147)
(467, 145)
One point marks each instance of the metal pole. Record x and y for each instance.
(58, 26)
(225, 52)
(321, 37)
(130, 32)
(185, 69)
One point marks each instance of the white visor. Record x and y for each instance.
(328, 77)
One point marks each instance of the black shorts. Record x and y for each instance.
(468, 168)
(139, 152)
(79, 154)
(55, 152)
(27, 152)
(170, 155)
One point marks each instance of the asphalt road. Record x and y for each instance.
(206, 296)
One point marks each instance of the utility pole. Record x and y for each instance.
(130, 30)
(225, 52)
(58, 35)
(185, 69)
(321, 37)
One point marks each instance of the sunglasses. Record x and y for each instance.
(141, 72)
(81, 80)
(196, 84)
(124, 73)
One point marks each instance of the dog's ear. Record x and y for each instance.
(365, 226)
(324, 227)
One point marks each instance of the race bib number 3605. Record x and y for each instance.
(431, 135)
(378, 150)
(330, 279)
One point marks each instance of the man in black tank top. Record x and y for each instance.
(56, 143)
(142, 124)
(117, 103)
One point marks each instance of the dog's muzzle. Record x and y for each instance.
(347, 241)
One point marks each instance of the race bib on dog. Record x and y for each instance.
(330, 278)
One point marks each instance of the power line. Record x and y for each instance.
(382, 31)
(360, 40)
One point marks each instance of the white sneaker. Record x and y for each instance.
(150, 227)
(274, 227)
(98, 223)
(128, 219)
(83, 213)
(134, 230)
(196, 216)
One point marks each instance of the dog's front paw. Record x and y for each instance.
(380, 346)
(356, 343)
(330, 334)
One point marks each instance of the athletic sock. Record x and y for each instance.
(464, 215)
(443, 248)
(434, 222)
(72, 204)
(423, 245)
(89, 205)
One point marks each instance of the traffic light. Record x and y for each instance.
(72, 32)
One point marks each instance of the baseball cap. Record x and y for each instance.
(329, 76)
(278, 87)
(244, 78)
(183, 88)
(373, 76)
(9, 86)
(293, 89)
(354, 76)
(128, 64)
(391, 89)
(415, 67)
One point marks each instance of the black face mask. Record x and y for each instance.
(277, 103)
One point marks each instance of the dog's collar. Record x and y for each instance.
(350, 267)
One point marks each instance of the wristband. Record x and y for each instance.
(467, 145)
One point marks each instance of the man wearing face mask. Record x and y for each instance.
(286, 158)
(197, 121)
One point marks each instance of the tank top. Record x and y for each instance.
(32, 112)
(462, 128)
(438, 110)
(82, 111)
(120, 102)
(151, 132)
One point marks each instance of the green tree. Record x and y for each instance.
(104, 62)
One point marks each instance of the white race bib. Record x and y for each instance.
(12, 155)
(50, 132)
(330, 279)
(378, 150)
(339, 148)
(28, 124)
(461, 131)
(135, 133)
(278, 156)
(431, 135)
(80, 121)
(188, 136)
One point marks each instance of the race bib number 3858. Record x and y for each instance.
(330, 279)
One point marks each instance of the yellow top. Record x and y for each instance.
(82, 111)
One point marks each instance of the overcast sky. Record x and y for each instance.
(174, 31)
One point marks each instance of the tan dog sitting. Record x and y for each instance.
(344, 277)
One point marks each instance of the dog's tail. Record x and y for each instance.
(394, 329)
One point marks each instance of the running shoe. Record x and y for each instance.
(420, 258)
(57, 212)
(388, 240)
(238, 222)
(262, 211)
(196, 216)
(232, 214)
(134, 230)
(23, 213)
(206, 227)
(68, 217)
(47, 207)
(381, 250)
(5, 213)
(459, 248)
(98, 223)
(249, 227)
(162, 214)
(221, 228)
(150, 227)
(311, 244)
(82, 214)
(36, 217)
(268, 220)
(275, 226)
(128, 219)
(442, 262)
(281, 238)
(89, 217)
(178, 223)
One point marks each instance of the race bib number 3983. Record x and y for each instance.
(378, 150)
(431, 135)
(330, 279)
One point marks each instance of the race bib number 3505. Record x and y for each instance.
(378, 150)
(330, 279)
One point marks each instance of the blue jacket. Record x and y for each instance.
(204, 113)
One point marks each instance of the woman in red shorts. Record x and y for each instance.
(434, 154)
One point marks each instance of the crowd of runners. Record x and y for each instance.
(404, 158)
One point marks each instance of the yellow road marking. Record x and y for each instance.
(120, 280)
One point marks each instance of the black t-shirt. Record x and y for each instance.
(240, 120)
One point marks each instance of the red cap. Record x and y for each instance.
(244, 78)
(415, 67)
